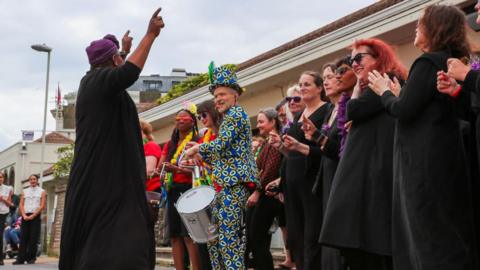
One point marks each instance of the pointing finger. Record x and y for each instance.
(127, 33)
(155, 14)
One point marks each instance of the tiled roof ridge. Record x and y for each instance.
(50, 139)
(337, 24)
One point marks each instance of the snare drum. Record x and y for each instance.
(195, 208)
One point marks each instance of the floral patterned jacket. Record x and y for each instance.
(230, 154)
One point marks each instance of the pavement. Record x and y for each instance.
(45, 263)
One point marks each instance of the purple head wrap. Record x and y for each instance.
(113, 39)
(100, 51)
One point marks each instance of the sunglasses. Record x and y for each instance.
(341, 70)
(202, 115)
(296, 99)
(184, 118)
(358, 58)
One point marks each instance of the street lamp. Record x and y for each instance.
(48, 50)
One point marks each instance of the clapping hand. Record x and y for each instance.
(308, 128)
(457, 69)
(446, 84)
(275, 140)
(290, 143)
(378, 83)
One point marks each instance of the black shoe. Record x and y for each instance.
(31, 262)
(2, 263)
(18, 262)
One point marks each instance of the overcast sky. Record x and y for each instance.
(196, 32)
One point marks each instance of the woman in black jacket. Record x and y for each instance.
(432, 211)
(358, 214)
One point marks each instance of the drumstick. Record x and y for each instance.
(163, 169)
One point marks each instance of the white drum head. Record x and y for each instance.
(195, 199)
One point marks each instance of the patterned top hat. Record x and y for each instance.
(223, 76)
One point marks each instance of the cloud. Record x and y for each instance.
(196, 32)
(17, 115)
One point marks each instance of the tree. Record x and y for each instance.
(61, 169)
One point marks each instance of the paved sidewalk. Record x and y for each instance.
(45, 263)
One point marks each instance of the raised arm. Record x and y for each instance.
(139, 56)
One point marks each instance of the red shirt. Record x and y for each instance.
(181, 178)
(154, 150)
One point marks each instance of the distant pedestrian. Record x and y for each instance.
(5, 204)
(32, 203)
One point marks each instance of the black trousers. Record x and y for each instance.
(259, 220)
(30, 233)
(3, 217)
(361, 260)
(304, 222)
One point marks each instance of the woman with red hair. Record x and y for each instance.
(432, 208)
(358, 214)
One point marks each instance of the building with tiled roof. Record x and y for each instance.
(23, 158)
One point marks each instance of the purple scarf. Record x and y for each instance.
(342, 120)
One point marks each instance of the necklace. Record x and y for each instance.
(180, 148)
(207, 136)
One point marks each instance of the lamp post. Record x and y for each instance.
(48, 50)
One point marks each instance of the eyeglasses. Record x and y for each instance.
(202, 115)
(295, 99)
(341, 70)
(358, 58)
(184, 118)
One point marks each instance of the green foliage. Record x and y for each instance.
(62, 167)
(188, 85)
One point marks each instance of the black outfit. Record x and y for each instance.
(29, 236)
(260, 219)
(432, 211)
(472, 86)
(3, 218)
(261, 215)
(358, 212)
(106, 223)
(303, 209)
(331, 257)
(175, 226)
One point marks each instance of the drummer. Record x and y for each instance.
(231, 157)
(179, 180)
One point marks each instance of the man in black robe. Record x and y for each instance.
(106, 222)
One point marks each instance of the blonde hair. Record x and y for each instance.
(146, 129)
(293, 88)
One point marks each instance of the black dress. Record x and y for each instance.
(106, 223)
(472, 87)
(432, 211)
(331, 257)
(358, 213)
(303, 209)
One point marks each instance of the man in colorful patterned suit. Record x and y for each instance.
(234, 169)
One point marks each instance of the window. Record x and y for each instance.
(152, 85)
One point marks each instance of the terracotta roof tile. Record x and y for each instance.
(55, 137)
(145, 106)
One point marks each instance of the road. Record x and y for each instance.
(45, 263)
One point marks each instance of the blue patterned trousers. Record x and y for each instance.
(227, 251)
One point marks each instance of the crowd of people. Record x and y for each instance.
(364, 165)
